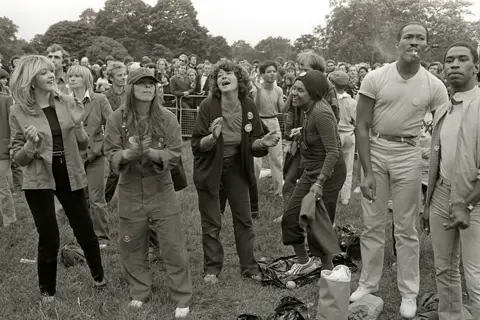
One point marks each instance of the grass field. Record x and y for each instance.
(234, 295)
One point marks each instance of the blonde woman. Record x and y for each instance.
(48, 135)
(97, 110)
(143, 143)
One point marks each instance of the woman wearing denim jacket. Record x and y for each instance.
(47, 136)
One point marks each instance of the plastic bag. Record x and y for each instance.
(334, 294)
(368, 307)
(349, 239)
(71, 255)
(290, 308)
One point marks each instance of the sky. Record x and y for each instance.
(249, 20)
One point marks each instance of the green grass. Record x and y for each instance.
(234, 295)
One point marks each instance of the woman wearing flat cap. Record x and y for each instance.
(143, 142)
(324, 170)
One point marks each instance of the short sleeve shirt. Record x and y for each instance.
(401, 105)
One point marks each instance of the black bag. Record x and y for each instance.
(349, 239)
(290, 308)
(178, 176)
(71, 255)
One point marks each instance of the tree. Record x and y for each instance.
(365, 30)
(8, 31)
(88, 16)
(306, 42)
(243, 50)
(73, 36)
(217, 47)
(271, 48)
(38, 43)
(101, 47)
(175, 25)
(160, 51)
(128, 22)
(9, 44)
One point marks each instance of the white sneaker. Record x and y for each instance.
(182, 313)
(48, 299)
(278, 220)
(357, 190)
(344, 202)
(359, 293)
(210, 279)
(408, 308)
(135, 304)
(298, 268)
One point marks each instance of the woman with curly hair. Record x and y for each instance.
(143, 143)
(228, 133)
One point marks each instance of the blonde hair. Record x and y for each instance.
(191, 70)
(84, 73)
(114, 67)
(21, 81)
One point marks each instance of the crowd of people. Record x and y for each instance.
(85, 134)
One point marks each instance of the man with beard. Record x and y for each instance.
(392, 103)
(452, 211)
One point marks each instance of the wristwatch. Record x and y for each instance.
(469, 206)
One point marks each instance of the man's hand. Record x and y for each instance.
(460, 216)
(425, 220)
(369, 187)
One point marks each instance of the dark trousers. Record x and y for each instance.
(235, 187)
(42, 206)
(253, 192)
(111, 185)
(17, 176)
(292, 173)
(292, 233)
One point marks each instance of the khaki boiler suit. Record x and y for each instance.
(147, 197)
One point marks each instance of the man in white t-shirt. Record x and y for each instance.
(268, 98)
(392, 104)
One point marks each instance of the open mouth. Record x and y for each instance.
(225, 82)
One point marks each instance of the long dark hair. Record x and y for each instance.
(153, 121)
(242, 78)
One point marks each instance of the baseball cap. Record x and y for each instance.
(138, 74)
(340, 77)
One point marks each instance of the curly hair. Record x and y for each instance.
(240, 73)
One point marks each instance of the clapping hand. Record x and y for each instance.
(295, 132)
(133, 151)
(271, 139)
(31, 134)
(216, 127)
(76, 112)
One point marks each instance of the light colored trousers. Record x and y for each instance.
(446, 249)
(275, 158)
(7, 207)
(348, 147)
(397, 168)
(96, 196)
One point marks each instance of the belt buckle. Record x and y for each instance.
(402, 139)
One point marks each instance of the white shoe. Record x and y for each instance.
(408, 308)
(102, 245)
(357, 190)
(135, 304)
(48, 299)
(278, 220)
(344, 202)
(182, 313)
(359, 293)
(210, 279)
(298, 268)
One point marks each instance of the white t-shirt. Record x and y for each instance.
(401, 105)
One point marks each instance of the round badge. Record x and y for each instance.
(415, 102)
(250, 116)
(126, 238)
(248, 127)
(161, 139)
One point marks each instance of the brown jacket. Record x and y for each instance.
(97, 111)
(38, 164)
(5, 103)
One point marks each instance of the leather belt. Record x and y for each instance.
(268, 117)
(408, 140)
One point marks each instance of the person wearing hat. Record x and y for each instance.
(323, 166)
(143, 143)
(346, 127)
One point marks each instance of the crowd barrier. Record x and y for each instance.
(186, 111)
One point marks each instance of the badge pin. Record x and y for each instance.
(416, 102)
(250, 116)
(126, 239)
(161, 139)
(436, 148)
(248, 127)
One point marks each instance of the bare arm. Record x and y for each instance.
(364, 122)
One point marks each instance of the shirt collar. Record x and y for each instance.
(343, 95)
(466, 95)
(85, 97)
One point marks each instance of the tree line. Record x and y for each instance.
(353, 31)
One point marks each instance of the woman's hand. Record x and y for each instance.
(295, 132)
(216, 127)
(270, 139)
(317, 190)
(133, 152)
(146, 146)
(76, 112)
(31, 134)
